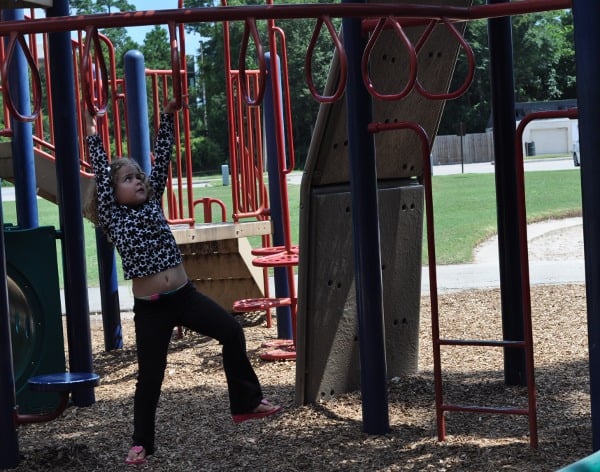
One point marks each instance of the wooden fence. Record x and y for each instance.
(452, 149)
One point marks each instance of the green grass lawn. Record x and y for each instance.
(464, 211)
(465, 208)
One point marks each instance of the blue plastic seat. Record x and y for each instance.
(63, 381)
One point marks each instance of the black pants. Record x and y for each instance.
(154, 324)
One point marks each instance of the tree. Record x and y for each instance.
(473, 108)
(89, 7)
(297, 35)
(544, 68)
(156, 49)
(117, 36)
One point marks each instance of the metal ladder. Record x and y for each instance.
(526, 343)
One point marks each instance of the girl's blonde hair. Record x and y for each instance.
(90, 207)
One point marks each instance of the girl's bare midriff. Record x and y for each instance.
(164, 281)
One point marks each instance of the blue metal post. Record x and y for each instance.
(282, 289)
(138, 142)
(587, 49)
(139, 149)
(507, 207)
(9, 451)
(109, 292)
(69, 197)
(138, 138)
(365, 224)
(22, 138)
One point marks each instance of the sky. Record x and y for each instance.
(138, 33)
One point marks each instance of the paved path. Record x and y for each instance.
(449, 278)
(565, 236)
(555, 257)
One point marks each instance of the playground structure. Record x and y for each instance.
(358, 190)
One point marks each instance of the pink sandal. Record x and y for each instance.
(137, 450)
(254, 414)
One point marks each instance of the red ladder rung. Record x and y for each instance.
(486, 409)
(480, 342)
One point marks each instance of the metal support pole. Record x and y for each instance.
(139, 149)
(503, 113)
(109, 292)
(138, 127)
(367, 250)
(22, 137)
(587, 48)
(69, 198)
(282, 288)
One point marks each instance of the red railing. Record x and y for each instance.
(100, 90)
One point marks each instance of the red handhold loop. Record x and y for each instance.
(175, 65)
(250, 29)
(470, 58)
(343, 74)
(35, 79)
(419, 131)
(288, 167)
(89, 78)
(367, 54)
(416, 127)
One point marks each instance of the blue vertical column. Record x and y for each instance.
(22, 137)
(9, 449)
(587, 51)
(139, 149)
(138, 142)
(69, 198)
(282, 288)
(365, 225)
(109, 292)
(507, 206)
(136, 99)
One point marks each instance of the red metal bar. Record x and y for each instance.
(486, 409)
(96, 104)
(206, 203)
(103, 83)
(175, 64)
(263, 12)
(17, 38)
(287, 108)
(280, 138)
(39, 124)
(480, 342)
(249, 194)
(250, 30)
(30, 418)
(470, 58)
(288, 258)
(412, 54)
(524, 262)
(343, 74)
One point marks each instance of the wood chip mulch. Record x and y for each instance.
(195, 432)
